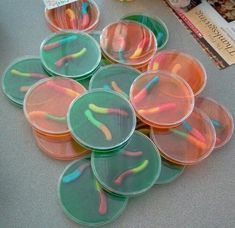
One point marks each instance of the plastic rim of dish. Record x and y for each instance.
(156, 20)
(103, 73)
(185, 55)
(110, 196)
(56, 28)
(35, 126)
(180, 159)
(102, 148)
(81, 75)
(175, 78)
(228, 116)
(130, 63)
(18, 101)
(120, 156)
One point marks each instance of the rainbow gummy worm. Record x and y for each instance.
(66, 58)
(147, 88)
(138, 169)
(158, 109)
(72, 18)
(75, 174)
(97, 109)
(85, 15)
(133, 153)
(47, 116)
(32, 75)
(176, 68)
(137, 53)
(61, 89)
(103, 201)
(196, 133)
(24, 88)
(190, 138)
(216, 123)
(59, 43)
(99, 125)
(118, 89)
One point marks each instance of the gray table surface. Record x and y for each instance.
(204, 196)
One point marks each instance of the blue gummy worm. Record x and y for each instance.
(187, 126)
(85, 7)
(68, 39)
(71, 177)
(216, 123)
(159, 38)
(151, 83)
(106, 87)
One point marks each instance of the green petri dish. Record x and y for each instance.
(130, 171)
(169, 172)
(101, 120)
(73, 55)
(155, 24)
(115, 77)
(20, 76)
(84, 200)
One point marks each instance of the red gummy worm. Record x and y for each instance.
(120, 178)
(103, 203)
(133, 154)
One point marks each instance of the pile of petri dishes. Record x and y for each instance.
(127, 112)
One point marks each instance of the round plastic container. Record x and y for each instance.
(188, 143)
(101, 120)
(155, 24)
(221, 119)
(61, 149)
(184, 65)
(79, 16)
(72, 55)
(161, 99)
(115, 77)
(169, 172)
(46, 104)
(131, 170)
(84, 200)
(20, 76)
(128, 42)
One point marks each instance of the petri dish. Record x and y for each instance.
(182, 64)
(20, 76)
(188, 143)
(72, 55)
(101, 120)
(84, 200)
(46, 104)
(131, 170)
(161, 99)
(221, 118)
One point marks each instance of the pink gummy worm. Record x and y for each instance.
(140, 96)
(51, 46)
(118, 111)
(120, 178)
(85, 21)
(197, 134)
(73, 23)
(133, 154)
(143, 43)
(38, 75)
(166, 107)
(103, 203)
(64, 59)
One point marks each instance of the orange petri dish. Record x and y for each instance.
(221, 119)
(161, 99)
(188, 143)
(46, 104)
(79, 15)
(182, 64)
(128, 42)
(66, 149)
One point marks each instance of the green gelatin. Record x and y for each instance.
(156, 25)
(169, 172)
(86, 124)
(114, 77)
(17, 76)
(79, 67)
(140, 155)
(80, 196)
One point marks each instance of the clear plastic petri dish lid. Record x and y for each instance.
(60, 149)
(161, 99)
(101, 120)
(72, 55)
(78, 16)
(155, 24)
(221, 118)
(84, 200)
(188, 143)
(182, 64)
(20, 75)
(128, 42)
(46, 104)
(114, 77)
(131, 170)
